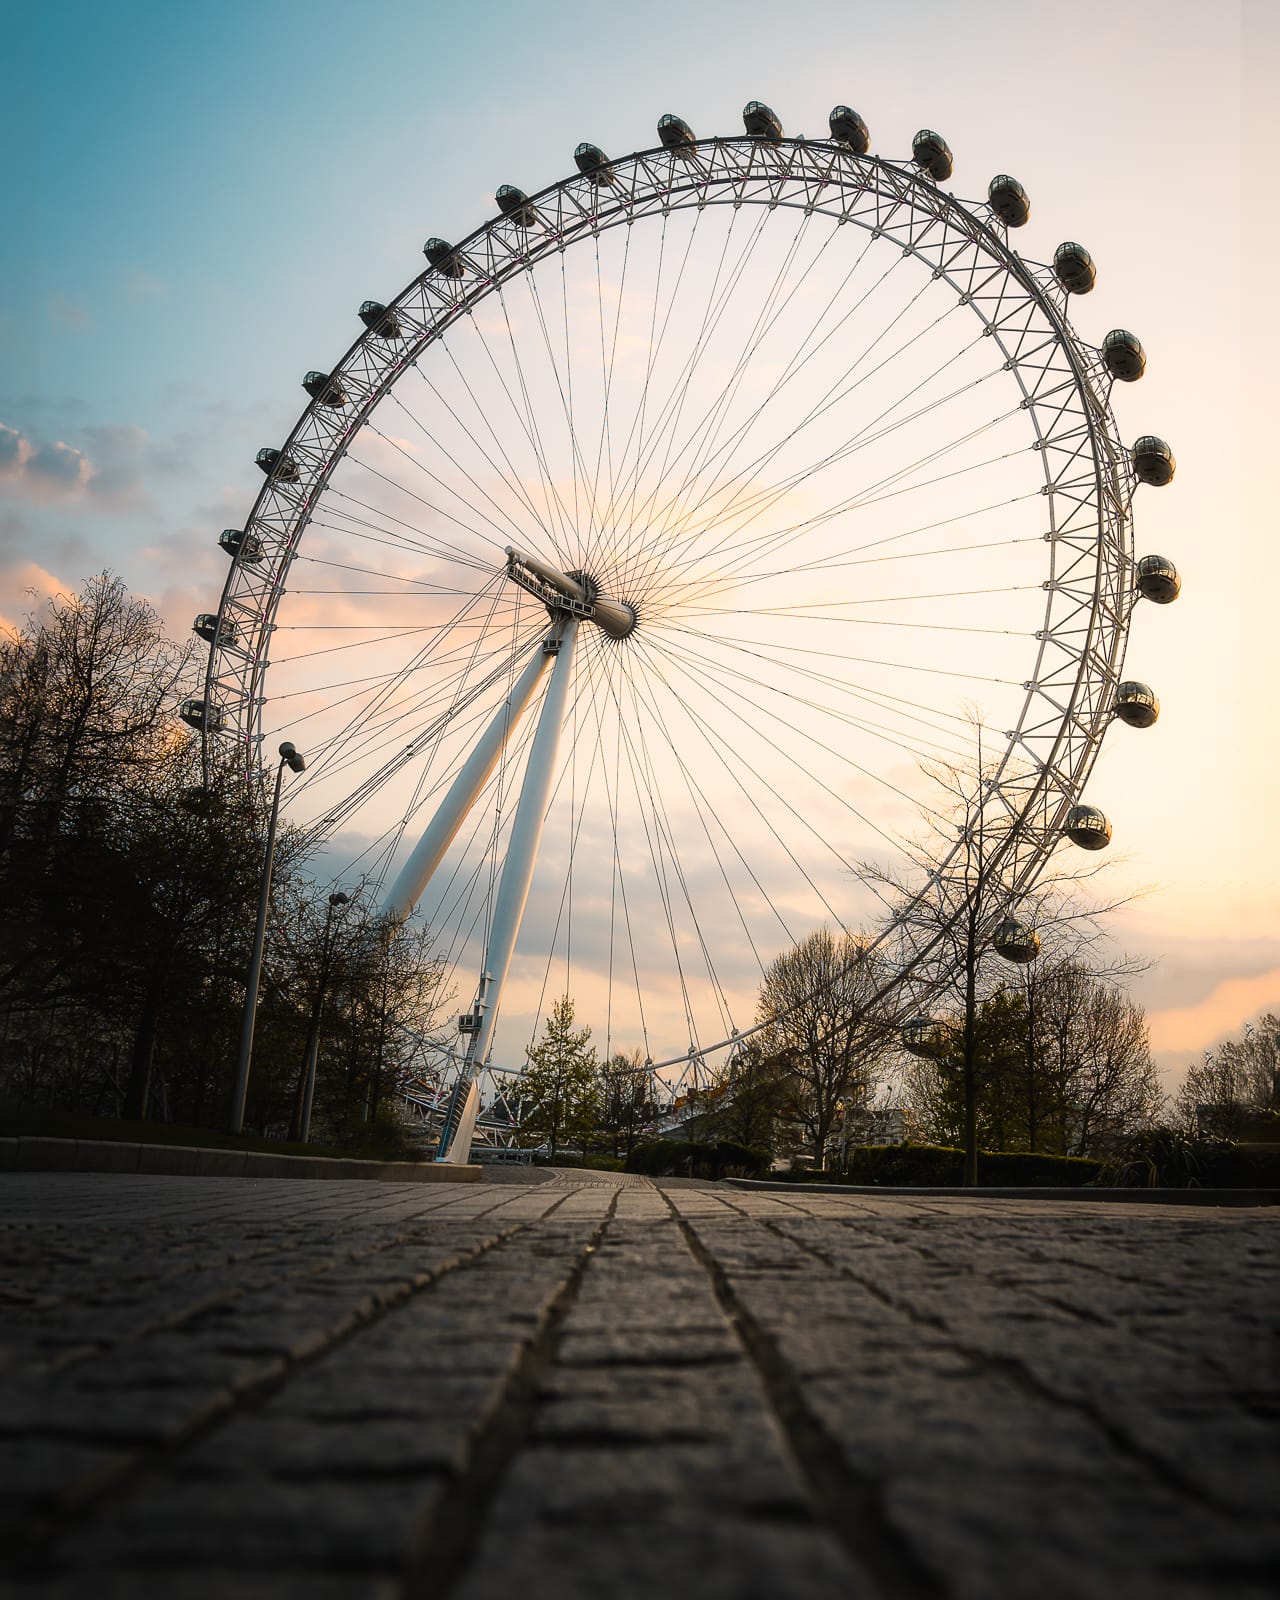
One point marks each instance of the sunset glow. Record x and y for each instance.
(201, 239)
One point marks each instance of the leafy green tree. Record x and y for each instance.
(559, 1088)
(1064, 1075)
(939, 1087)
(760, 1096)
(961, 881)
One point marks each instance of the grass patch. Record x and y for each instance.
(31, 1122)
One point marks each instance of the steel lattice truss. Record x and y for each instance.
(1064, 384)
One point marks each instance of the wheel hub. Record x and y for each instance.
(573, 594)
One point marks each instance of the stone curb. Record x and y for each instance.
(191, 1161)
(1159, 1197)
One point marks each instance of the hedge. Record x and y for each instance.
(938, 1166)
(684, 1158)
(1158, 1158)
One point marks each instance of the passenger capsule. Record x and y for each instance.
(515, 203)
(1008, 199)
(847, 127)
(924, 1037)
(1136, 704)
(326, 389)
(677, 136)
(1153, 461)
(444, 258)
(1087, 827)
(761, 122)
(1123, 353)
(236, 542)
(1073, 267)
(206, 625)
(1016, 942)
(277, 465)
(203, 715)
(932, 152)
(593, 164)
(1158, 580)
(379, 320)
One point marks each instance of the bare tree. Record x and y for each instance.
(1094, 1074)
(87, 700)
(1222, 1094)
(625, 1101)
(818, 1000)
(963, 879)
(87, 692)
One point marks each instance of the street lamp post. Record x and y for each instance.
(290, 758)
(301, 1129)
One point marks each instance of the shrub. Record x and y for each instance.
(1245, 1166)
(1162, 1158)
(684, 1158)
(384, 1137)
(933, 1166)
(1029, 1169)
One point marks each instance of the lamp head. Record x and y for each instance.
(289, 755)
(338, 899)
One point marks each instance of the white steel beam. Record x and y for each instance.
(452, 811)
(517, 875)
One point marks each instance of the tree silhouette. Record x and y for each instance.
(824, 1025)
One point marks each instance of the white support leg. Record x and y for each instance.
(517, 875)
(465, 789)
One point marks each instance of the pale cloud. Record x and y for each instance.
(15, 451)
(25, 591)
(137, 285)
(73, 315)
(107, 476)
(58, 467)
(1223, 1012)
(120, 453)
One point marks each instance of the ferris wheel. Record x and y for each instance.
(625, 575)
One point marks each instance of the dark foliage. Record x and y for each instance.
(682, 1158)
(1165, 1158)
(130, 873)
(931, 1165)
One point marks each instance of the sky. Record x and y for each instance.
(199, 197)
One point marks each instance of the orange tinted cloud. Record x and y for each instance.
(1190, 1029)
(24, 589)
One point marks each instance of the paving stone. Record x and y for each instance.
(253, 1523)
(295, 1385)
(766, 1557)
(214, 1584)
(39, 1475)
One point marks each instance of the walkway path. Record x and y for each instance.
(608, 1388)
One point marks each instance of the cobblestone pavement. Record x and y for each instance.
(604, 1387)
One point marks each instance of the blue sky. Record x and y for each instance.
(199, 197)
